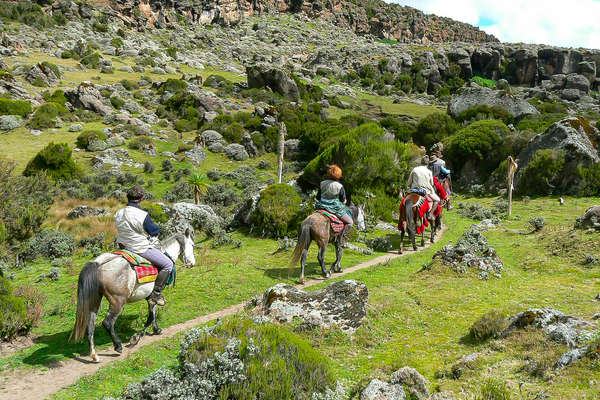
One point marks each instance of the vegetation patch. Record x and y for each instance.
(55, 160)
(277, 211)
(14, 107)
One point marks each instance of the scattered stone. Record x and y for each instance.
(197, 155)
(211, 137)
(158, 71)
(10, 122)
(342, 304)
(113, 157)
(472, 251)
(379, 390)
(87, 211)
(75, 128)
(591, 219)
(87, 96)
(236, 152)
(412, 378)
(386, 226)
(53, 275)
(42, 75)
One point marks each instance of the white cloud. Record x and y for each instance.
(571, 24)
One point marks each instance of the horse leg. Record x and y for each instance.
(413, 235)
(116, 307)
(91, 327)
(401, 241)
(150, 321)
(303, 261)
(321, 258)
(339, 251)
(155, 328)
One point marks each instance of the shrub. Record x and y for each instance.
(14, 107)
(117, 102)
(58, 97)
(13, 311)
(34, 301)
(487, 327)
(482, 111)
(276, 210)
(434, 128)
(479, 142)
(156, 212)
(172, 85)
(167, 165)
(543, 172)
(129, 85)
(489, 83)
(537, 223)
(140, 143)
(86, 137)
(50, 244)
(181, 191)
(31, 14)
(24, 202)
(240, 359)
(44, 116)
(185, 125)
(91, 60)
(403, 130)
(538, 123)
(221, 194)
(56, 161)
(116, 42)
(233, 133)
(148, 167)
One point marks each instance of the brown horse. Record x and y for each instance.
(317, 227)
(410, 219)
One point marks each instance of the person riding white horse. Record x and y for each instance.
(332, 197)
(422, 178)
(139, 234)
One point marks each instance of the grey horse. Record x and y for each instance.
(317, 227)
(110, 275)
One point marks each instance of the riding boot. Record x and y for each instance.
(156, 297)
(345, 235)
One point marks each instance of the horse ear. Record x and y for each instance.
(187, 232)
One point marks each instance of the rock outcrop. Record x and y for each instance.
(590, 219)
(87, 211)
(277, 80)
(476, 95)
(342, 304)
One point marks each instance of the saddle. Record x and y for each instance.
(145, 271)
(337, 225)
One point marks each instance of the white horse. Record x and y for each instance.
(111, 276)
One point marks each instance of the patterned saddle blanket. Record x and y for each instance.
(336, 224)
(144, 270)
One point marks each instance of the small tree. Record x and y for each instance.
(200, 184)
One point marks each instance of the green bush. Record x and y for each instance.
(129, 85)
(44, 115)
(243, 360)
(116, 42)
(171, 52)
(156, 212)
(31, 14)
(403, 130)
(487, 327)
(13, 311)
(543, 172)
(538, 123)
(434, 128)
(185, 125)
(86, 137)
(482, 111)
(14, 107)
(56, 161)
(117, 102)
(479, 142)
(233, 133)
(50, 244)
(590, 180)
(52, 67)
(91, 60)
(58, 97)
(172, 85)
(276, 211)
(140, 143)
(489, 83)
(24, 202)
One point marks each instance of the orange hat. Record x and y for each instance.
(334, 172)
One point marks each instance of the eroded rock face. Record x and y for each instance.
(87, 96)
(342, 304)
(475, 95)
(279, 81)
(589, 220)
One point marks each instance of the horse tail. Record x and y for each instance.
(410, 219)
(303, 242)
(88, 298)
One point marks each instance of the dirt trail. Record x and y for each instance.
(33, 385)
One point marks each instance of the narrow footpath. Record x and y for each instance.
(34, 385)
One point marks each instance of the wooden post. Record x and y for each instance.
(282, 133)
(512, 168)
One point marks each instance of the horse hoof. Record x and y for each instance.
(339, 271)
(119, 349)
(95, 358)
(415, 248)
(328, 274)
(158, 331)
(135, 339)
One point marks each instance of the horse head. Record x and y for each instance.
(187, 252)
(359, 217)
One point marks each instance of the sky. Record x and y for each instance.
(574, 23)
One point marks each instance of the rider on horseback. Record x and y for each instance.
(438, 168)
(422, 178)
(332, 197)
(139, 234)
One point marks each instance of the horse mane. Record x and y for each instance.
(179, 237)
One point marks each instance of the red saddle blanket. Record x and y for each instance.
(336, 224)
(423, 206)
(144, 270)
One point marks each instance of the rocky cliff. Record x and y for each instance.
(374, 17)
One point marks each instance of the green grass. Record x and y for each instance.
(418, 318)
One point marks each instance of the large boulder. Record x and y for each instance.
(211, 137)
(523, 69)
(277, 80)
(113, 158)
(87, 96)
(188, 215)
(342, 304)
(475, 95)
(10, 122)
(571, 135)
(590, 219)
(552, 61)
(380, 390)
(196, 155)
(579, 82)
(236, 152)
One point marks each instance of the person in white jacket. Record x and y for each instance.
(422, 178)
(139, 234)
